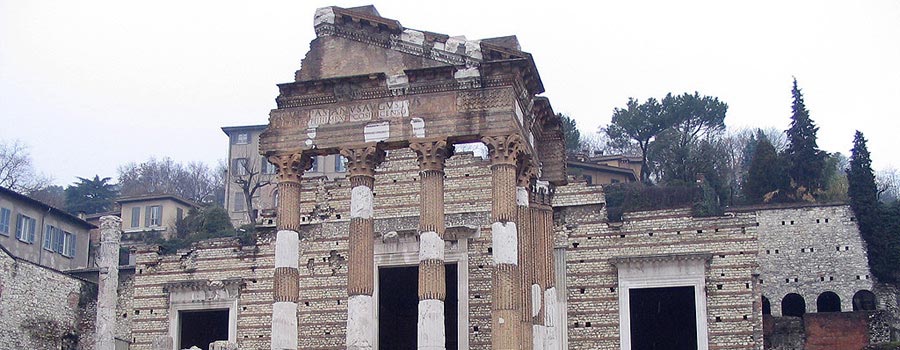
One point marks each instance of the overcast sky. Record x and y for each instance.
(91, 85)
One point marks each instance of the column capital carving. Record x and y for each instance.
(291, 166)
(431, 154)
(526, 172)
(504, 149)
(362, 161)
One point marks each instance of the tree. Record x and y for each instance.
(876, 223)
(806, 162)
(766, 176)
(54, 196)
(888, 181)
(90, 196)
(571, 133)
(638, 123)
(248, 177)
(16, 170)
(835, 186)
(207, 222)
(194, 181)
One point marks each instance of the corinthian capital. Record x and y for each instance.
(504, 149)
(290, 167)
(431, 154)
(526, 171)
(362, 161)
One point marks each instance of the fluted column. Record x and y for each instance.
(526, 172)
(506, 301)
(361, 163)
(432, 285)
(544, 277)
(286, 283)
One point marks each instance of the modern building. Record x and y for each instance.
(42, 234)
(248, 169)
(153, 216)
(605, 170)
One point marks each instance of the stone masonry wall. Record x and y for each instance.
(734, 319)
(39, 307)
(809, 250)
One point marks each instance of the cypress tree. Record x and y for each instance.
(883, 245)
(766, 173)
(806, 162)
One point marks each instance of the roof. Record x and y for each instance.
(228, 130)
(602, 167)
(18, 259)
(49, 208)
(157, 197)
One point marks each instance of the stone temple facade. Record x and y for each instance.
(423, 248)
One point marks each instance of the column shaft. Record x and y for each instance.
(108, 282)
(286, 277)
(361, 258)
(432, 283)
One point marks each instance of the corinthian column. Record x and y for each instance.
(506, 300)
(531, 335)
(108, 282)
(432, 286)
(286, 282)
(361, 163)
(542, 222)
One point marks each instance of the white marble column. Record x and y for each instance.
(108, 281)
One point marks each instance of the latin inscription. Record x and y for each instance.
(358, 113)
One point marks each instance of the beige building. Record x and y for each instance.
(154, 216)
(245, 163)
(39, 233)
(605, 170)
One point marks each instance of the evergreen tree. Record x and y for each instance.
(806, 162)
(571, 134)
(883, 244)
(766, 173)
(90, 195)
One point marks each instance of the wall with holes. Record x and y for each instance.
(810, 250)
(733, 316)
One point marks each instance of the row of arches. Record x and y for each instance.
(793, 304)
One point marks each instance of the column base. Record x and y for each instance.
(431, 332)
(284, 326)
(360, 323)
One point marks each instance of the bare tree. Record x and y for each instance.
(888, 180)
(249, 178)
(16, 170)
(194, 181)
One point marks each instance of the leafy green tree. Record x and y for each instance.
(835, 186)
(90, 196)
(766, 175)
(805, 160)
(571, 133)
(638, 123)
(207, 222)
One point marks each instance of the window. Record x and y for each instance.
(136, 217)
(239, 167)
(241, 138)
(239, 201)
(340, 164)
(25, 228)
(4, 221)
(58, 240)
(49, 230)
(267, 168)
(68, 245)
(315, 165)
(154, 216)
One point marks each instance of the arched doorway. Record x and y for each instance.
(793, 305)
(766, 306)
(864, 301)
(828, 302)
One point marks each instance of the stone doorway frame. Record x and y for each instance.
(661, 271)
(398, 250)
(198, 295)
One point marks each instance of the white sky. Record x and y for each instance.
(90, 85)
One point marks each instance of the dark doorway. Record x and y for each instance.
(766, 306)
(663, 318)
(864, 301)
(199, 328)
(793, 305)
(828, 302)
(398, 307)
